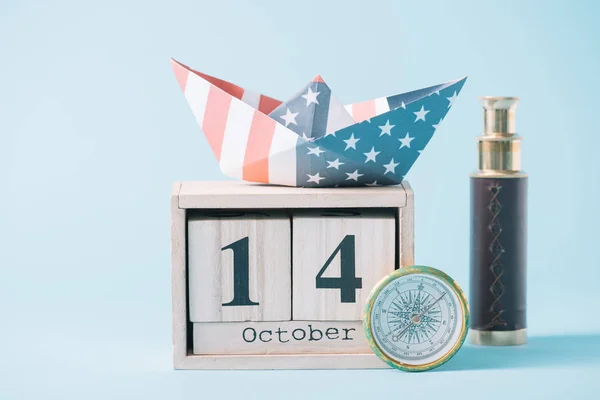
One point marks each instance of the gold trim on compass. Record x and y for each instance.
(415, 269)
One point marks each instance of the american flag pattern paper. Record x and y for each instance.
(313, 112)
(312, 140)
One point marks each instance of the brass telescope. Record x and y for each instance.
(498, 230)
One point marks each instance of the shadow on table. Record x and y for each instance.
(541, 351)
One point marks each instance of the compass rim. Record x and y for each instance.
(384, 282)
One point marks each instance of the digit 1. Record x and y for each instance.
(241, 272)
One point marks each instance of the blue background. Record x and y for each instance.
(94, 129)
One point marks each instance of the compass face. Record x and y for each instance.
(418, 319)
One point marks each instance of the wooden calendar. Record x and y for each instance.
(272, 277)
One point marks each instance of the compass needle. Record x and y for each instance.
(419, 299)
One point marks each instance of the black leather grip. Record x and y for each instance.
(498, 253)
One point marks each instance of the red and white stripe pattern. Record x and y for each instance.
(368, 109)
(248, 144)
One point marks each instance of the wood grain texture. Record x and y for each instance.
(283, 361)
(265, 260)
(234, 194)
(178, 279)
(406, 229)
(371, 254)
(285, 337)
(187, 196)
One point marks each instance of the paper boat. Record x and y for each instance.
(259, 139)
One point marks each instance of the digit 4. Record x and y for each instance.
(347, 282)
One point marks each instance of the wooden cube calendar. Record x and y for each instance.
(239, 266)
(272, 277)
(338, 256)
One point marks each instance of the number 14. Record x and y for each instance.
(347, 282)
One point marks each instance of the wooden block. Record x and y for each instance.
(338, 257)
(239, 266)
(190, 198)
(283, 361)
(286, 337)
(178, 279)
(237, 194)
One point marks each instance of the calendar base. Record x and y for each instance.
(327, 340)
(279, 361)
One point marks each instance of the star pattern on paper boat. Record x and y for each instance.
(405, 141)
(314, 111)
(308, 139)
(390, 167)
(313, 140)
(311, 97)
(315, 150)
(365, 157)
(351, 142)
(372, 155)
(421, 114)
(289, 117)
(386, 129)
(353, 176)
(335, 164)
(315, 178)
(451, 99)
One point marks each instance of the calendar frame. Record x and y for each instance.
(239, 195)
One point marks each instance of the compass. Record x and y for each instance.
(416, 318)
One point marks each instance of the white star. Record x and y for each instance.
(406, 141)
(315, 150)
(353, 176)
(371, 155)
(314, 178)
(436, 92)
(451, 99)
(289, 117)
(435, 126)
(351, 142)
(403, 105)
(372, 184)
(308, 139)
(329, 133)
(335, 164)
(421, 114)
(386, 129)
(311, 97)
(391, 167)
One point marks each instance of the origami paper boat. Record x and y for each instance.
(312, 140)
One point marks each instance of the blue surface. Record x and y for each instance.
(94, 130)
